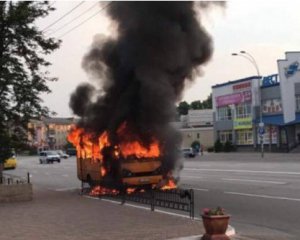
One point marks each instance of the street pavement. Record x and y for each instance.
(262, 195)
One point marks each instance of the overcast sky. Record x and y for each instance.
(266, 29)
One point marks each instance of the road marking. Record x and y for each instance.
(243, 171)
(65, 175)
(65, 189)
(263, 196)
(201, 189)
(250, 180)
(190, 177)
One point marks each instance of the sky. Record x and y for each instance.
(265, 29)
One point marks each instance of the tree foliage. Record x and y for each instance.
(23, 68)
(183, 107)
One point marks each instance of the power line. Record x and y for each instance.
(75, 18)
(63, 16)
(78, 25)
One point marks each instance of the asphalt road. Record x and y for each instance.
(262, 195)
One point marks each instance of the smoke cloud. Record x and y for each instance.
(142, 72)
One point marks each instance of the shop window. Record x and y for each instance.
(244, 137)
(225, 136)
(224, 113)
(243, 110)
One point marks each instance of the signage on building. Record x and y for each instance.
(241, 86)
(242, 123)
(270, 80)
(235, 98)
(289, 73)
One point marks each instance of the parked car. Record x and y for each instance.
(49, 157)
(62, 154)
(188, 152)
(71, 151)
(10, 163)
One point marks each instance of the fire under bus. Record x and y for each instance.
(128, 165)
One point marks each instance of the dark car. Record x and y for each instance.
(71, 151)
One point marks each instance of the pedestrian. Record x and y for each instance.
(201, 149)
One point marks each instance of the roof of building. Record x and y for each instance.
(236, 81)
(60, 120)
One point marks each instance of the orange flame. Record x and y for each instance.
(170, 185)
(96, 191)
(87, 147)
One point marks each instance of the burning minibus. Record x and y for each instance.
(128, 164)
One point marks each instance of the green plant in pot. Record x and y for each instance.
(215, 222)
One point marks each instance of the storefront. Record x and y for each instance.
(234, 105)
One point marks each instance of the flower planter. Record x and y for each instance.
(215, 227)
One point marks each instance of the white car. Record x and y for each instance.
(49, 157)
(188, 152)
(62, 154)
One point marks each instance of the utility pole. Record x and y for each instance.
(261, 129)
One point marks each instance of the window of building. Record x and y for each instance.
(198, 135)
(298, 102)
(244, 137)
(243, 110)
(224, 113)
(225, 136)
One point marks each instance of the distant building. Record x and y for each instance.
(197, 125)
(240, 105)
(49, 133)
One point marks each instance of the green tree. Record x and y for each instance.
(183, 108)
(207, 104)
(23, 69)
(218, 146)
(196, 105)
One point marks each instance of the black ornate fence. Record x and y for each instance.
(176, 199)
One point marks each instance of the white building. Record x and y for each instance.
(275, 100)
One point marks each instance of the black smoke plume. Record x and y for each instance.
(142, 72)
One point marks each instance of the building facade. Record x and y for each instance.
(49, 133)
(197, 125)
(239, 106)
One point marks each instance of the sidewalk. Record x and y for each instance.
(65, 215)
(69, 216)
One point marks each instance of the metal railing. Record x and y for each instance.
(176, 199)
(12, 179)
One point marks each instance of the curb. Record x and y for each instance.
(230, 232)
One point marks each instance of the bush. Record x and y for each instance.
(218, 147)
(228, 147)
(196, 145)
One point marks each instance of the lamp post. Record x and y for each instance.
(251, 59)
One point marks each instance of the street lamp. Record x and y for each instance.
(251, 59)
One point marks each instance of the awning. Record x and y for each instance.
(278, 120)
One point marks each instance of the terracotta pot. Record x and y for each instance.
(215, 227)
